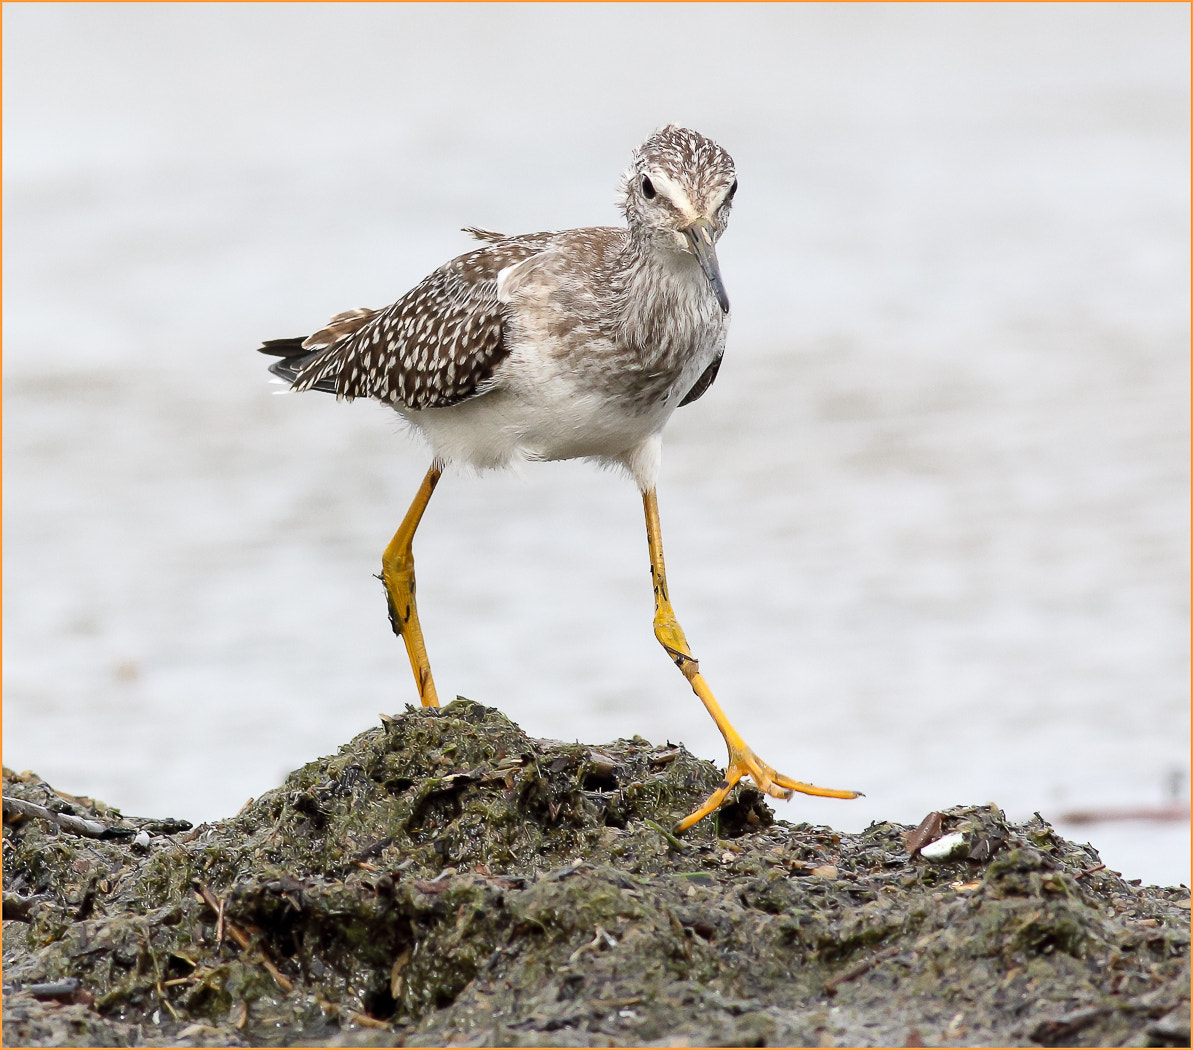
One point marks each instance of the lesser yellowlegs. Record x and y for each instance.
(546, 346)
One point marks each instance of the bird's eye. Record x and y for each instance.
(648, 190)
(732, 191)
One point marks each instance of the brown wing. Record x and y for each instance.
(435, 346)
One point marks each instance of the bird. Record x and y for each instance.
(572, 344)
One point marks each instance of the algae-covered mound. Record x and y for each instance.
(447, 879)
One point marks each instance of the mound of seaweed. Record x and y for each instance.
(446, 879)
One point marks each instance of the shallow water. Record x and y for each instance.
(927, 533)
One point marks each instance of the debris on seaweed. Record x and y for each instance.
(446, 879)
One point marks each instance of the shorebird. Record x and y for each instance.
(577, 344)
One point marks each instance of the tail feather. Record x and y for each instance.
(300, 352)
(283, 347)
(294, 358)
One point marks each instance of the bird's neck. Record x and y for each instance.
(667, 306)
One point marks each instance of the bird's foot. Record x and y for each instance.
(743, 762)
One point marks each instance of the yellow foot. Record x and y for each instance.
(743, 762)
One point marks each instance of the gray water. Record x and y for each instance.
(927, 533)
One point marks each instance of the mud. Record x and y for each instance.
(445, 879)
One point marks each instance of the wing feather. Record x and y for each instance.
(704, 382)
(436, 346)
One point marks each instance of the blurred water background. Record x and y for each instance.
(927, 533)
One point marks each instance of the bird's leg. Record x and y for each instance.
(742, 760)
(397, 573)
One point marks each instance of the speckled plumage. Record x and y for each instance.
(579, 343)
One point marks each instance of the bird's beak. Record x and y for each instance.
(699, 236)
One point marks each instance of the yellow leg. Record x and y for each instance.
(397, 573)
(742, 760)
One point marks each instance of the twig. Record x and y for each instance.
(365, 1021)
(239, 936)
(600, 935)
(1088, 871)
(672, 841)
(165, 1001)
(1177, 812)
(351, 1016)
(217, 906)
(831, 985)
(91, 828)
(283, 982)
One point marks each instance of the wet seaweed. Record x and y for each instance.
(446, 879)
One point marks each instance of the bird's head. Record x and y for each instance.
(677, 195)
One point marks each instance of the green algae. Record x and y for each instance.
(446, 879)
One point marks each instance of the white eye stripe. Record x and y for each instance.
(675, 193)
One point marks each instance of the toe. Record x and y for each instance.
(713, 800)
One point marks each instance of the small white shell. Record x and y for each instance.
(142, 840)
(945, 848)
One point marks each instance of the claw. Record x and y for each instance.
(743, 762)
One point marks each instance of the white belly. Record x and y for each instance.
(547, 419)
